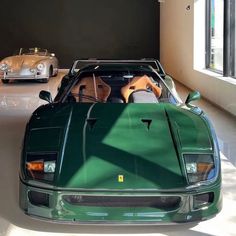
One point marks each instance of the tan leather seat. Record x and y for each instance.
(137, 83)
(94, 87)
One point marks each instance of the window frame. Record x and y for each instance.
(208, 34)
(228, 39)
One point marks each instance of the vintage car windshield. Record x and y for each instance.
(33, 51)
(120, 88)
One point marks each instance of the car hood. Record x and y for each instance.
(118, 146)
(21, 61)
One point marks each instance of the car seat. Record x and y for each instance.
(91, 87)
(143, 96)
(140, 83)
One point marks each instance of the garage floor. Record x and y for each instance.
(19, 99)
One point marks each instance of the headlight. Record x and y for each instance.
(40, 66)
(32, 70)
(41, 166)
(199, 167)
(3, 66)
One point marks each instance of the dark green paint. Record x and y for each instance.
(38, 135)
(119, 144)
(59, 210)
(90, 157)
(190, 131)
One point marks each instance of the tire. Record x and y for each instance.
(50, 73)
(56, 73)
(5, 81)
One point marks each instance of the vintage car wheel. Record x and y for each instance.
(50, 74)
(50, 71)
(5, 81)
(56, 74)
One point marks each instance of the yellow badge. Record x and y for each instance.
(120, 178)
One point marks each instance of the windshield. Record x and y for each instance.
(33, 51)
(119, 88)
(79, 64)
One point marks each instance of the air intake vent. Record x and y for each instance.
(164, 203)
(91, 122)
(38, 198)
(147, 122)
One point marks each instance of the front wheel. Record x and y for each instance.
(50, 72)
(56, 72)
(5, 81)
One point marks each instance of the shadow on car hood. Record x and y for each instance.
(118, 146)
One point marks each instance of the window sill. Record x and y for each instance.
(217, 76)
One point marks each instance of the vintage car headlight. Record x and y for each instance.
(3, 66)
(41, 166)
(40, 66)
(199, 167)
(32, 70)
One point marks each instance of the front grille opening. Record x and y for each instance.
(202, 200)
(164, 202)
(38, 198)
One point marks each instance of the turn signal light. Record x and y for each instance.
(204, 167)
(41, 166)
(35, 166)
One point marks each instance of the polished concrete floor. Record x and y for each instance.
(19, 99)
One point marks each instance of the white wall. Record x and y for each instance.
(183, 52)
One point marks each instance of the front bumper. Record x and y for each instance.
(23, 75)
(52, 205)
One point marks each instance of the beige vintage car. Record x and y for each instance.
(32, 63)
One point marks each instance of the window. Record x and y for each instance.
(233, 36)
(220, 36)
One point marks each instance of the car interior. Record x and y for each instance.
(116, 89)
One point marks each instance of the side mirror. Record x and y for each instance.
(193, 97)
(45, 95)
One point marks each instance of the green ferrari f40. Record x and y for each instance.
(118, 146)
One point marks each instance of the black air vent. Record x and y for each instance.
(38, 198)
(147, 122)
(91, 122)
(163, 203)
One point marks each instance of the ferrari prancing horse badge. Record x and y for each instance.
(120, 178)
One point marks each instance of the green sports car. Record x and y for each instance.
(117, 146)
